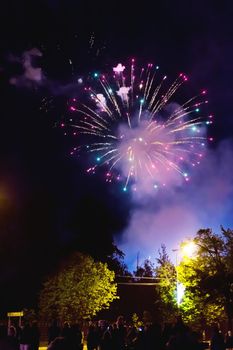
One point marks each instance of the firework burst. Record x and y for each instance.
(134, 125)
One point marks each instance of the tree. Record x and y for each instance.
(165, 272)
(146, 270)
(116, 262)
(208, 277)
(137, 323)
(78, 290)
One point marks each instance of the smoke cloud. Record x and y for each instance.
(31, 75)
(171, 215)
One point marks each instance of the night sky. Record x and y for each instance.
(48, 205)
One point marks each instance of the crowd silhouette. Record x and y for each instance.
(25, 336)
(117, 335)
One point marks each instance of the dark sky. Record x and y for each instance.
(48, 206)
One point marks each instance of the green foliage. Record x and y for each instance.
(197, 312)
(79, 290)
(208, 278)
(166, 289)
(136, 321)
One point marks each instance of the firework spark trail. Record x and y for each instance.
(137, 129)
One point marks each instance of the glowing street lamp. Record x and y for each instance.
(189, 249)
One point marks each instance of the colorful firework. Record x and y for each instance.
(136, 128)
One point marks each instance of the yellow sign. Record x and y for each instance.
(15, 314)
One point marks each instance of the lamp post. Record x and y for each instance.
(176, 264)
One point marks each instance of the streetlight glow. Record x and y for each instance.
(189, 249)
